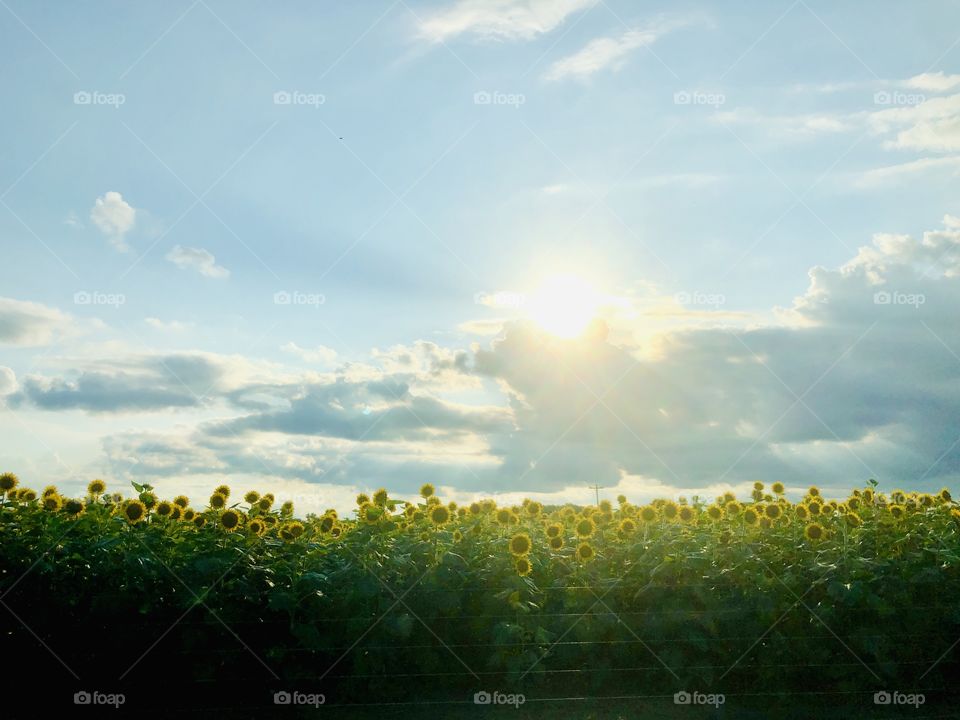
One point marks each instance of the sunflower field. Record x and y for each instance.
(429, 607)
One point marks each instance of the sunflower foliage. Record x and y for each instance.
(732, 594)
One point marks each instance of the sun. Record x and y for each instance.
(564, 305)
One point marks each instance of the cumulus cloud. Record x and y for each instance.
(319, 355)
(203, 261)
(30, 323)
(499, 19)
(935, 82)
(114, 217)
(8, 380)
(606, 52)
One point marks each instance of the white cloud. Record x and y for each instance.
(320, 354)
(203, 261)
(8, 380)
(167, 325)
(606, 52)
(796, 126)
(72, 220)
(499, 19)
(933, 82)
(114, 217)
(30, 323)
(902, 171)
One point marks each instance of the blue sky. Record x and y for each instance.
(411, 176)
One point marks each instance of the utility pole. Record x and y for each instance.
(597, 488)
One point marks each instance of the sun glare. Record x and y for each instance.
(564, 305)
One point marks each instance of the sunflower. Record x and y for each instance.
(181, 500)
(687, 514)
(439, 515)
(814, 508)
(554, 530)
(287, 508)
(648, 513)
(8, 481)
(778, 488)
(176, 512)
(218, 500)
(326, 525)
(475, 508)
(714, 512)
(621, 499)
(164, 508)
(73, 507)
(520, 544)
(585, 552)
(758, 486)
(295, 528)
(523, 566)
(230, 520)
(426, 490)
(555, 543)
(733, 508)
(97, 487)
(134, 511)
(49, 490)
(814, 532)
(605, 506)
(251, 497)
(534, 509)
(222, 490)
(898, 512)
(256, 527)
(148, 499)
(27, 495)
(814, 491)
(504, 515)
(189, 514)
(945, 495)
(670, 510)
(264, 503)
(926, 500)
(627, 526)
(867, 496)
(52, 502)
(336, 531)
(853, 520)
(585, 528)
(199, 521)
(773, 511)
(750, 516)
(457, 536)
(853, 502)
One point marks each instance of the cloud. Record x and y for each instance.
(167, 325)
(499, 19)
(29, 323)
(606, 52)
(320, 355)
(793, 126)
(895, 173)
(188, 258)
(8, 380)
(114, 217)
(934, 82)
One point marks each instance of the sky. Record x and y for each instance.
(515, 248)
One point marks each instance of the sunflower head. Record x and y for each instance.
(52, 502)
(814, 532)
(49, 490)
(945, 495)
(230, 520)
(585, 527)
(555, 543)
(670, 510)
(148, 499)
(773, 511)
(256, 527)
(326, 524)
(218, 501)
(520, 544)
(426, 490)
(504, 515)
(898, 512)
(648, 513)
(758, 486)
(814, 508)
(475, 508)
(251, 497)
(176, 512)
(457, 536)
(264, 503)
(189, 514)
(97, 487)
(750, 516)
(73, 507)
(554, 530)
(181, 500)
(439, 515)
(853, 520)
(134, 511)
(295, 528)
(687, 514)
(585, 552)
(627, 526)
(380, 497)
(336, 531)
(199, 521)
(164, 508)
(8, 481)
(222, 490)
(714, 512)
(778, 488)
(733, 508)
(287, 509)
(27, 495)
